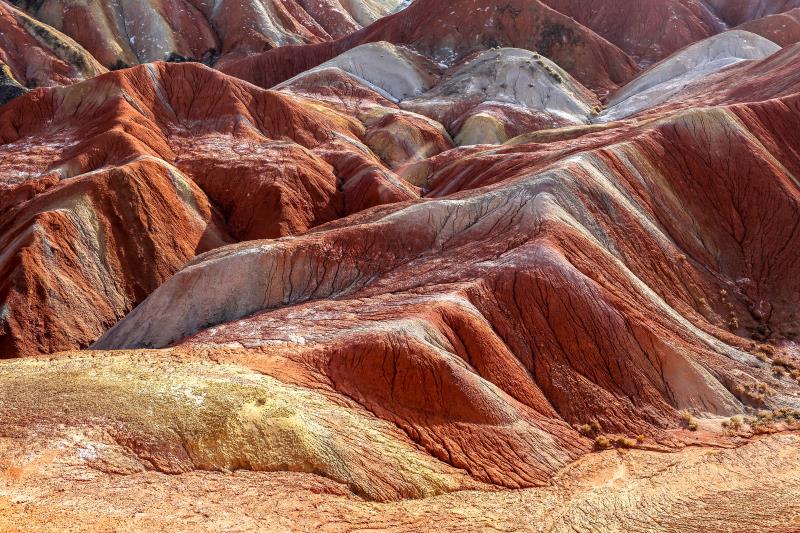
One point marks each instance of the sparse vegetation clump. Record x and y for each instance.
(602, 442)
(605, 442)
(782, 365)
(705, 307)
(764, 421)
(735, 423)
(590, 429)
(755, 393)
(768, 421)
(625, 442)
(733, 320)
(547, 68)
(689, 421)
(762, 357)
(766, 349)
(763, 352)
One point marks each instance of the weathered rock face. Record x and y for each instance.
(516, 90)
(520, 90)
(782, 28)
(741, 80)
(273, 163)
(448, 35)
(482, 321)
(135, 426)
(647, 30)
(77, 257)
(693, 63)
(127, 33)
(35, 55)
(736, 12)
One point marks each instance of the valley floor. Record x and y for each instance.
(751, 488)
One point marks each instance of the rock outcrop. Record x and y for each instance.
(695, 62)
(275, 164)
(531, 299)
(33, 54)
(647, 30)
(437, 30)
(782, 28)
(742, 81)
(518, 90)
(121, 34)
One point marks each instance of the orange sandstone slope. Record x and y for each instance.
(111, 185)
(616, 277)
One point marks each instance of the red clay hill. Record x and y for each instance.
(467, 265)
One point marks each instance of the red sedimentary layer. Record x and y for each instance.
(437, 30)
(341, 291)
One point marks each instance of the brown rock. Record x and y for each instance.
(437, 30)
(647, 30)
(782, 28)
(127, 33)
(36, 55)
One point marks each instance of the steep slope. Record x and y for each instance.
(424, 282)
(274, 163)
(79, 256)
(694, 63)
(743, 81)
(448, 33)
(516, 307)
(647, 30)
(501, 93)
(487, 98)
(35, 55)
(782, 29)
(736, 12)
(127, 33)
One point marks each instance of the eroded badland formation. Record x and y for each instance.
(358, 265)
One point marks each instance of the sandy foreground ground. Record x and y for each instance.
(49, 486)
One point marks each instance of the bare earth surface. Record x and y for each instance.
(378, 265)
(49, 488)
(65, 467)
